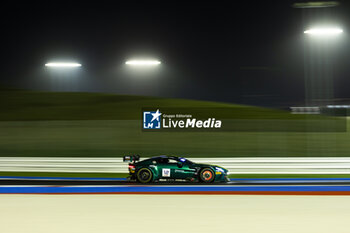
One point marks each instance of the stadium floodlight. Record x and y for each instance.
(62, 64)
(324, 31)
(316, 4)
(143, 62)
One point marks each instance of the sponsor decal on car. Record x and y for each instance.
(180, 171)
(166, 172)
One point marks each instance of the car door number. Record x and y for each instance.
(166, 172)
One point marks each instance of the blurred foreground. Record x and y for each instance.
(174, 213)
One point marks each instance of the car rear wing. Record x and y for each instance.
(131, 158)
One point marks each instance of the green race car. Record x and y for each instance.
(173, 168)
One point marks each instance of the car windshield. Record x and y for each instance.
(185, 160)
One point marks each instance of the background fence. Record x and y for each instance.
(262, 165)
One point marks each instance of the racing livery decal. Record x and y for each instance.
(166, 172)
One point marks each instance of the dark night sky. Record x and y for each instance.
(239, 52)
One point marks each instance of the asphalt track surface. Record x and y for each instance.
(291, 186)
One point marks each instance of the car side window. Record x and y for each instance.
(173, 161)
(167, 161)
(163, 160)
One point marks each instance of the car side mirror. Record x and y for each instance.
(179, 164)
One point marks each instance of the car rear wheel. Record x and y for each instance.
(206, 175)
(144, 175)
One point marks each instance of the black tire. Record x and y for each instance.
(144, 175)
(206, 175)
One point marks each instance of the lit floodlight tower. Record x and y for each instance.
(62, 64)
(324, 31)
(316, 4)
(321, 42)
(143, 62)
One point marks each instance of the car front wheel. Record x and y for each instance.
(144, 175)
(206, 175)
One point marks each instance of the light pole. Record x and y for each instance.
(318, 59)
(63, 76)
(142, 75)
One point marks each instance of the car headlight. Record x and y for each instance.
(219, 169)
